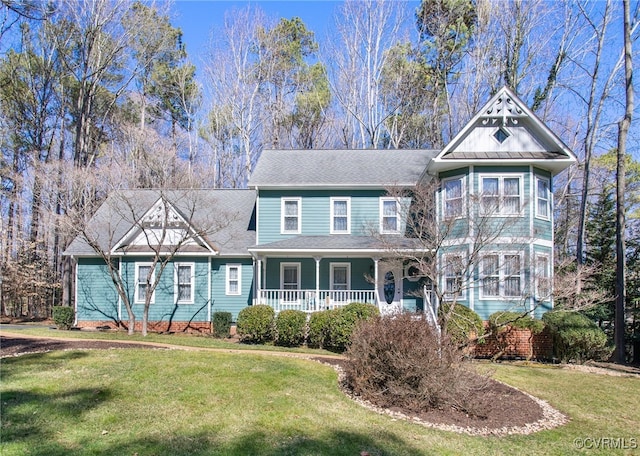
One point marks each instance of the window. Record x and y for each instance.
(502, 275)
(234, 284)
(144, 281)
(453, 198)
(290, 281)
(543, 206)
(453, 269)
(340, 276)
(184, 282)
(389, 222)
(543, 277)
(501, 135)
(340, 215)
(291, 215)
(501, 195)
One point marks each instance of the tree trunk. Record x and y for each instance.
(623, 130)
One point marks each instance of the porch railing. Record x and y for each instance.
(312, 301)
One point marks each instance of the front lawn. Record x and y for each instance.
(159, 402)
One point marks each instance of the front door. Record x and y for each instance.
(390, 290)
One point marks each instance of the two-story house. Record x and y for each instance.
(318, 229)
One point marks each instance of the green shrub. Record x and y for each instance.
(463, 323)
(344, 321)
(221, 324)
(499, 321)
(290, 328)
(63, 317)
(575, 337)
(318, 336)
(255, 324)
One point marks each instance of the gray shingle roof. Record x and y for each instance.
(339, 168)
(337, 243)
(225, 217)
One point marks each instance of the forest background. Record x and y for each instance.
(99, 95)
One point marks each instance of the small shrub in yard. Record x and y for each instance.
(397, 361)
(63, 317)
(221, 322)
(343, 323)
(575, 337)
(462, 324)
(255, 324)
(318, 336)
(332, 329)
(290, 328)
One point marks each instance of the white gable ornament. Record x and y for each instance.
(503, 108)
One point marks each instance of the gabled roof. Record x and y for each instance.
(220, 222)
(339, 168)
(505, 131)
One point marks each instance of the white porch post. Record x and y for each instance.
(317, 300)
(258, 273)
(375, 275)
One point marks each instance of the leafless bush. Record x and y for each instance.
(396, 361)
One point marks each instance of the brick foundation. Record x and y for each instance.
(198, 327)
(516, 343)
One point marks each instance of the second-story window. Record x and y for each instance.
(453, 203)
(543, 198)
(501, 195)
(389, 216)
(340, 211)
(291, 219)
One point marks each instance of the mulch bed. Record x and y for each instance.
(507, 410)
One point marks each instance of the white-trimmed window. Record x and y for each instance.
(502, 275)
(501, 195)
(234, 280)
(543, 276)
(340, 215)
(290, 281)
(145, 279)
(389, 216)
(291, 209)
(184, 282)
(543, 198)
(453, 200)
(453, 275)
(340, 276)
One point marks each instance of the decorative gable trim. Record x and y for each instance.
(164, 222)
(505, 115)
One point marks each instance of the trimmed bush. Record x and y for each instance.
(63, 317)
(255, 324)
(463, 323)
(290, 328)
(575, 337)
(396, 361)
(500, 321)
(318, 336)
(221, 324)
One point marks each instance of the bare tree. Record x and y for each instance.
(623, 131)
(355, 62)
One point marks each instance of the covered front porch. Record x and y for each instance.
(313, 281)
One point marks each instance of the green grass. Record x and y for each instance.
(181, 339)
(156, 402)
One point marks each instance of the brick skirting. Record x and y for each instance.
(198, 327)
(516, 343)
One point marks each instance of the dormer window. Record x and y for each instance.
(501, 135)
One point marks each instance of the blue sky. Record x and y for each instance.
(198, 18)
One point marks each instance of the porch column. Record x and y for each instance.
(375, 276)
(258, 273)
(317, 300)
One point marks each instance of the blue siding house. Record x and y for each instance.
(317, 229)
